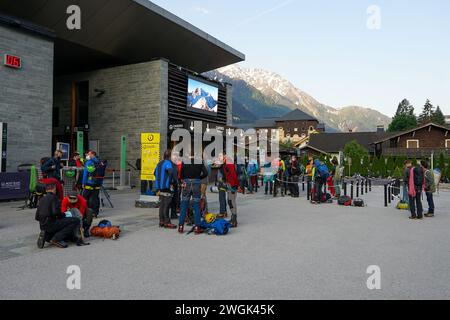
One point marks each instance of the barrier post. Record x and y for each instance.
(357, 189)
(370, 185)
(345, 188)
(389, 193)
(308, 190)
(123, 161)
(385, 195)
(367, 183)
(352, 190)
(362, 187)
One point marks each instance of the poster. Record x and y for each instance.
(150, 143)
(65, 148)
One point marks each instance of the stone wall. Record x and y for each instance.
(26, 96)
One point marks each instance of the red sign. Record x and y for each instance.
(12, 61)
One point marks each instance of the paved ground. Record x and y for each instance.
(284, 249)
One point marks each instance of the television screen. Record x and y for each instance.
(202, 97)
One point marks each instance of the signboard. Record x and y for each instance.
(14, 185)
(12, 61)
(150, 157)
(80, 144)
(65, 148)
(3, 143)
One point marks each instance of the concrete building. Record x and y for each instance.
(125, 72)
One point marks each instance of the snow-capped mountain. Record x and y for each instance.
(256, 91)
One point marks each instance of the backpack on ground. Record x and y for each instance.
(358, 202)
(345, 201)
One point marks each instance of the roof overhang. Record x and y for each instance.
(399, 134)
(123, 32)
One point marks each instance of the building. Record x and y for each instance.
(418, 142)
(332, 144)
(125, 72)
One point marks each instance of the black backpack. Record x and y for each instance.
(358, 203)
(345, 201)
(418, 176)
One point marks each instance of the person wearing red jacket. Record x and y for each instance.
(78, 207)
(228, 176)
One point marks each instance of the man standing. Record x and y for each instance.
(252, 171)
(228, 172)
(430, 188)
(90, 183)
(192, 175)
(414, 177)
(52, 167)
(296, 170)
(175, 203)
(55, 227)
(164, 187)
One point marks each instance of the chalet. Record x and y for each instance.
(332, 144)
(418, 142)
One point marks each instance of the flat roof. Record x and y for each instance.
(123, 32)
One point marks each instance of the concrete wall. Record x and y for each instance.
(135, 101)
(26, 96)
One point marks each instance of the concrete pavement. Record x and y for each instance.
(284, 248)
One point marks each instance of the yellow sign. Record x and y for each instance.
(150, 155)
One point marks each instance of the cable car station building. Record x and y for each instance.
(125, 72)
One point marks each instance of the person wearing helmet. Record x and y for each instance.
(91, 187)
(77, 206)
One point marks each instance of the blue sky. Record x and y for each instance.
(325, 48)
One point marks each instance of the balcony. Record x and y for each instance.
(418, 153)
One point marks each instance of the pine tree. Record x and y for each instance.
(427, 113)
(438, 117)
(390, 166)
(404, 118)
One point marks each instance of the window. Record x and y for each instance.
(296, 130)
(447, 144)
(311, 128)
(412, 144)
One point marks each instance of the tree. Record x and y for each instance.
(390, 166)
(438, 117)
(397, 173)
(355, 151)
(427, 113)
(404, 118)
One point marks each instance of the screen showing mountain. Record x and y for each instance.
(202, 97)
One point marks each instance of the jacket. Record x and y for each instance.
(229, 173)
(81, 205)
(418, 177)
(165, 176)
(252, 169)
(89, 173)
(52, 168)
(430, 185)
(48, 210)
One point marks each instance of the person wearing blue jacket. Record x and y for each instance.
(91, 186)
(252, 171)
(165, 180)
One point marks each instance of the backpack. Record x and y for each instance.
(100, 171)
(323, 172)
(345, 201)
(358, 203)
(418, 176)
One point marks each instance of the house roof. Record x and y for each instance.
(399, 134)
(296, 115)
(121, 32)
(313, 148)
(335, 142)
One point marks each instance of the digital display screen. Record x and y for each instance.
(202, 97)
(12, 61)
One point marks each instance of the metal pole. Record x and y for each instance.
(389, 194)
(362, 187)
(308, 191)
(352, 190)
(123, 161)
(345, 188)
(370, 185)
(367, 185)
(357, 189)
(385, 195)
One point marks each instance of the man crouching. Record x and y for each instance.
(55, 227)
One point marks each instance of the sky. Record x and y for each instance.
(343, 53)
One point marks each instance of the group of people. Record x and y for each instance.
(417, 180)
(182, 185)
(68, 218)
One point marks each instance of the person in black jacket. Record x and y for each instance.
(52, 167)
(53, 223)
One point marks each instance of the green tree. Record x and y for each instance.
(390, 166)
(438, 117)
(404, 118)
(397, 174)
(355, 151)
(427, 113)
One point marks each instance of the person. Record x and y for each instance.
(268, 177)
(320, 177)
(280, 170)
(55, 227)
(175, 203)
(430, 188)
(309, 169)
(76, 161)
(331, 182)
(406, 167)
(295, 170)
(252, 171)
(337, 177)
(415, 179)
(52, 167)
(242, 177)
(77, 206)
(191, 175)
(165, 180)
(229, 176)
(90, 183)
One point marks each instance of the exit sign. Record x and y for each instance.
(12, 61)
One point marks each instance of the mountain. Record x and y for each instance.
(259, 94)
(200, 99)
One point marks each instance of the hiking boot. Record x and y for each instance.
(413, 218)
(419, 218)
(81, 243)
(181, 228)
(198, 230)
(161, 224)
(429, 215)
(59, 244)
(86, 233)
(41, 240)
(170, 226)
(233, 221)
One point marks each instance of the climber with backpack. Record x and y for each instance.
(321, 175)
(92, 181)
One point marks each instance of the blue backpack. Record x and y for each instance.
(323, 171)
(220, 227)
